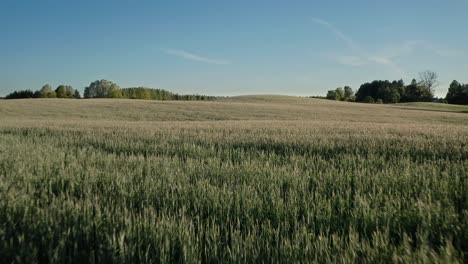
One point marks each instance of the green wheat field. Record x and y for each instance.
(250, 179)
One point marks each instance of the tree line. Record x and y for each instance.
(62, 91)
(457, 93)
(105, 89)
(421, 90)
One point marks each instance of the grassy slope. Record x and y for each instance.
(256, 178)
(234, 108)
(435, 107)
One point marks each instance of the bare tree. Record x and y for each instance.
(428, 80)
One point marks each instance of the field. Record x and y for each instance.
(242, 179)
(435, 107)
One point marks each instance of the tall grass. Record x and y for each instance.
(79, 191)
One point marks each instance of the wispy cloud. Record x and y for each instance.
(385, 57)
(339, 34)
(405, 48)
(400, 49)
(442, 52)
(361, 56)
(190, 56)
(351, 60)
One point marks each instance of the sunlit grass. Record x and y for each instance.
(266, 181)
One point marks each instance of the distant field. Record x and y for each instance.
(234, 108)
(242, 179)
(436, 107)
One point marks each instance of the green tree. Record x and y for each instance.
(457, 93)
(101, 89)
(116, 94)
(77, 95)
(145, 94)
(20, 94)
(348, 94)
(70, 91)
(45, 91)
(331, 95)
(37, 94)
(52, 95)
(411, 92)
(340, 94)
(393, 96)
(389, 95)
(388, 92)
(369, 99)
(61, 91)
(428, 82)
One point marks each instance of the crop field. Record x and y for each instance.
(254, 179)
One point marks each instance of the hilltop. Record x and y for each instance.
(254, 107)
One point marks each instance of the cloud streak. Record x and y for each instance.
(194, 57)
(351, 60)
(386, 57)
(361, 56)
(339, 34)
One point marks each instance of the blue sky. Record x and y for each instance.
(231, 47)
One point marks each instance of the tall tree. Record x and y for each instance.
(457, 93)
(77, 95)
(391, 95)
(428, 80)
(340, 94)
(348, 94)
(101, 89)
(61, 91)
(331, 95)
(411, 92)
(70, 91)
(46, 92)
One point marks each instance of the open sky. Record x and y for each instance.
(231, 47)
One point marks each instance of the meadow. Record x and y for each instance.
(252, 179)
